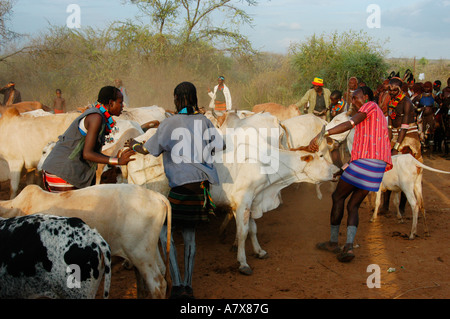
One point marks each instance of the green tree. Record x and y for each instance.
(193, 21)
(6, 34)
(337, 57)
(423, 62)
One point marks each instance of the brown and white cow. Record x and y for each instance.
(129, 218)
(281, 112)
(26, 106)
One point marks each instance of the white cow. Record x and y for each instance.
(252, 188)
(124, 130)
(251, 182)
(405, 176)
(22, 139)
(143, 114)
(128, 217)
(147, 170)
(50, 248)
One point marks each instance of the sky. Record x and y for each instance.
(412, 28)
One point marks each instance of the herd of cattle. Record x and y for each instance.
(128, 213)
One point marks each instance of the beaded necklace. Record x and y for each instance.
(338, 106)
(393, 104)
(109, 119)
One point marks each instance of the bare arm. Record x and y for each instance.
(355, 120)
(93, 123)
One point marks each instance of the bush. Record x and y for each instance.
(337, 57)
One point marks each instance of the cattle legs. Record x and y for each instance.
(246, 225)
(15, 169)
(259, 252)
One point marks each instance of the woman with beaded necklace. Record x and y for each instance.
(73, 161)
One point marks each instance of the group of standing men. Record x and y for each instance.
(417, 117)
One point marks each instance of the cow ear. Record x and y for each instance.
(307, 158)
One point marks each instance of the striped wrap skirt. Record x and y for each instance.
(366, 174)
(55, 184)
(191, 204)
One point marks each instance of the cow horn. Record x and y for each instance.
(321, 135)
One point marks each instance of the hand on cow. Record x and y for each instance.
(313, 146)
(130, 143)
(335, 175)
(394, 152)
(125, 157)
(136, 146)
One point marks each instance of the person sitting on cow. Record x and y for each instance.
(189, 176)
(72, 163)
(363, 173)
(10, 94)
(318, 98)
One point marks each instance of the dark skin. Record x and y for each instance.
(404, 107)
(333, 101)
(352, 85)
(318, 89)
(220, 82)
(343, 189)
(93, 123)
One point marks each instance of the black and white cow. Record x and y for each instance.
(46, 256)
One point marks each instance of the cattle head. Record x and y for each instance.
(317, 168)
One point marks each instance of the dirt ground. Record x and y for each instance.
(295, 269)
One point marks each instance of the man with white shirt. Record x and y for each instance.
(220, 97)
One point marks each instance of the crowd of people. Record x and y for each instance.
(399, 117)
(426, 103)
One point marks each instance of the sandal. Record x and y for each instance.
(346, 256)
(328, 247)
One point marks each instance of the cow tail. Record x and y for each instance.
(169, 236)
(106, 253)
